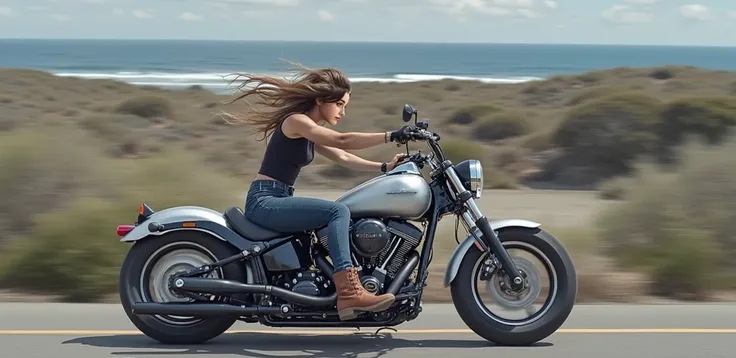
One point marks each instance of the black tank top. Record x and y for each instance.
(285, 157)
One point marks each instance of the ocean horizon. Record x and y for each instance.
(185, 63)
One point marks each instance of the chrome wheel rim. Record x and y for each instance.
(168, 260)
(528, 297)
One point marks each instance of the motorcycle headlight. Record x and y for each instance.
(470, 173)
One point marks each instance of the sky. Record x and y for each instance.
(664, 22)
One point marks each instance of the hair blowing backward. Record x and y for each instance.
(282, 97)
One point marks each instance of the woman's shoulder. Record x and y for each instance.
(294, 124)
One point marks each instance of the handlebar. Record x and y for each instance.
(432, 139)
(419, 131)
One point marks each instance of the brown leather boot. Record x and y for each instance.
(352, 297)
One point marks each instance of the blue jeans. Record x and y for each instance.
(272, 204)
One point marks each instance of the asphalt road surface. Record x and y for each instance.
(592, 331)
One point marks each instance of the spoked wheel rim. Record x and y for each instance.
(528, 297)
(168, 260)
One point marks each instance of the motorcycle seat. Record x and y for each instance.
(237, 221)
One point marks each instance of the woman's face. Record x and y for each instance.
(333, 112)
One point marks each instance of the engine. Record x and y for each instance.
(380, 249)
(309, 282)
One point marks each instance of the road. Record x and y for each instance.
(600, 331)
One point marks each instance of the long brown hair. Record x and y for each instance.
(283, 97)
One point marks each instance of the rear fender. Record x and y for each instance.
(187, 218)
(457, 256)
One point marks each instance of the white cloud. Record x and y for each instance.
(6, 11)
(732, 14)
(188, 16)
(627, 15)
(142, 14)
(512, 3)
(94, 1)
(529, 14)
(60, 17)
(695, 11)
(461, 6)
(262, 2)
(512, 8)
(642, 2)
(255, 13)
(325, 15)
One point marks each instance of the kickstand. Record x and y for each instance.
(382, 328)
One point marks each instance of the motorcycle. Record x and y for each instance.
(192, 272)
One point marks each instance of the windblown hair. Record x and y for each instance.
(283, 97)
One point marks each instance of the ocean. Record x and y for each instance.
(179, 64)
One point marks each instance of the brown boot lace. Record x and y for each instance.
(354, 280)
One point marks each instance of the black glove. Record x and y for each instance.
(404, 134)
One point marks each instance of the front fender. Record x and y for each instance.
(188, 218)
(457, 256)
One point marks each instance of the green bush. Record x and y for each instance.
(68, 246)
(501, 126)
(608, 133)
(458, 150)
(147, 107)
(72, 253)
(677, 226)
(710, 117)
(597, 93)
(40, 170)
(473, 113)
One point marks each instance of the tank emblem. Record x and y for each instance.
(401, 191)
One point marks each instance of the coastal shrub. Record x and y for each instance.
(70, 209)
(457, 150)
(503, 125)
(473, 113)
(40, 169)
(596, 93)
(712, 118)
(151, 107)
(676, 225)
(608, 133)
(72, 253)
(662, 73)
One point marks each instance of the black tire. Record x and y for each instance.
(477, 318)
(132, 291)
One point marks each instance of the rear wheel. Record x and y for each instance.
(540, 317)
(145, 274)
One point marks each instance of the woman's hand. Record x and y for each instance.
(396, 161)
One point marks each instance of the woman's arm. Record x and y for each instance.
(302, 126)
(346, 159)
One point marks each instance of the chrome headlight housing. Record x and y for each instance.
(470, 173)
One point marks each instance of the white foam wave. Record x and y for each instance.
(421, 77)
(220, 81)
(139, 76)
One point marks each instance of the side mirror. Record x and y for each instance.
(408, 112)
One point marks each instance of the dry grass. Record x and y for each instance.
(73, 148)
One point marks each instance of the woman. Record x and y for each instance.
(297, 109)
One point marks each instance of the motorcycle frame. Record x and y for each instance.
(482, 234)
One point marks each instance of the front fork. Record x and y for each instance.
(475, 221)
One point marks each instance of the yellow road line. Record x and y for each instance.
(368, 330)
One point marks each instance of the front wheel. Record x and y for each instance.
(542, 316)
(144, 278)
